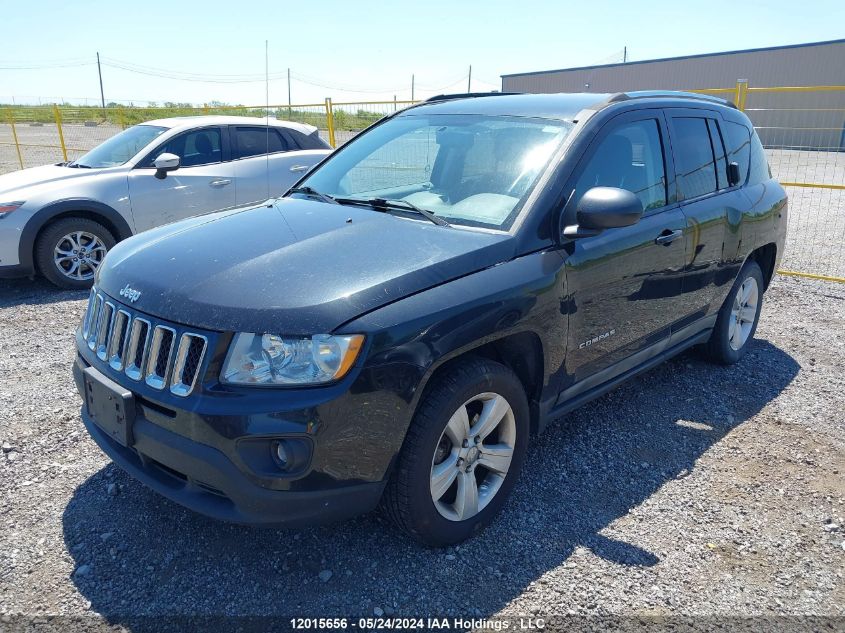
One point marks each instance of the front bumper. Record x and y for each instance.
(206, 478)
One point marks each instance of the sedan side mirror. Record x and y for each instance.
(733, 174)
(604, 208)
(165, 163)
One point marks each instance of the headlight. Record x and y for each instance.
(7, 207)
(268, 359)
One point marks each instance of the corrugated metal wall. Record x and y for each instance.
(808, 120)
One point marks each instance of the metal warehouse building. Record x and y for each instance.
(786, 118)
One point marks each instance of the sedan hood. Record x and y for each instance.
(294, 267)
(14, 182)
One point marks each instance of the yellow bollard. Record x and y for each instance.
(10, 115)
(330, 121)
(740, 94)
(58, 116)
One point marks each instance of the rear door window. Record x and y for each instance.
(257, 141)
(693, 152)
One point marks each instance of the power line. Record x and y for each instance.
(184, 73)
(184, 77)
(227, 78)
(255, 78)
(46, 66)
(321, 84)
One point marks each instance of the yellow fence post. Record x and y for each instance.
(741, 93)
(11, 116)
(58, 116)
(330, 121)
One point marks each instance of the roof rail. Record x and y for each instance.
(468, 95)
(677, 94)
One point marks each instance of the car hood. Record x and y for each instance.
(293, 266)
(17, 181)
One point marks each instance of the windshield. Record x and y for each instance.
(120, 147)
(468, 169)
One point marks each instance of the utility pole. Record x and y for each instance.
(469, 79)
(412, 87)
(100, 73)
(289, 111)
(625, 55)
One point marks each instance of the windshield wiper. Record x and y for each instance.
(310, 191)
(73, 163)
(384, 203)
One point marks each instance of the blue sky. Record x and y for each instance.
(362, 50)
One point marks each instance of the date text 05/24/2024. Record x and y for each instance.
(425, 624)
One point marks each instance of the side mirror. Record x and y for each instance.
(165, 163)
(604, 208)
(734, 177)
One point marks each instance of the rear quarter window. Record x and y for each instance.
(307, 141)
(758, 170)
(738, 142)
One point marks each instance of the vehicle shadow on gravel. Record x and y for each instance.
(38, 291)
(139, 557)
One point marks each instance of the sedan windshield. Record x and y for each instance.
(468, 169)
(120, 147)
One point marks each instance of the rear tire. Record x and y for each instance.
(738, 317)
(462, 454)
(69, 251)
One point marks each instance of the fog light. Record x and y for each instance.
(287, 454)
(282, 455)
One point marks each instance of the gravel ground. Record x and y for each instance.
(692, 490)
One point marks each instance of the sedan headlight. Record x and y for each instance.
(268, 359)
(7, 207)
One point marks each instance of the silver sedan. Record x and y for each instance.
(60, 220)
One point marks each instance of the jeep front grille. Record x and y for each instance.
(142, 349)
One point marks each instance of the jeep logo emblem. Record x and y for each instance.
(130, 294)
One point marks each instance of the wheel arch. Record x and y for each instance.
(71, 207)
(766, 258)
(522, 352)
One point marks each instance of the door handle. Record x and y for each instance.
(667, 237)
(296, 168)
(221, 182)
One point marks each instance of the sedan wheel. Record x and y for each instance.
(77, 255)
(69, 251)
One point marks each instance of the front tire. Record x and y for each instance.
(738, 317)
(69, 251)
(462, 455)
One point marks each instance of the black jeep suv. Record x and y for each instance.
(396, 326)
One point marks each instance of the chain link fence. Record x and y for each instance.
(801, 127)
(38, 135)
